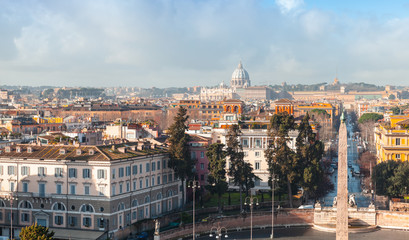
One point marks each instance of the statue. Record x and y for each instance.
(334, 203)
(352, 202)
(157, 227)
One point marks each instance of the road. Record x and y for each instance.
(354, 182)
(308, 233)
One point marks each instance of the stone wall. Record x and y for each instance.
(355, 216)
(287, 217)
(389, 219)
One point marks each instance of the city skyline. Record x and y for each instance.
(190, 43)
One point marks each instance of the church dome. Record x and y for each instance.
(240, 77)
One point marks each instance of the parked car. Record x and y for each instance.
(306, 207)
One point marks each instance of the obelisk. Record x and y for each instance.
(342, 188)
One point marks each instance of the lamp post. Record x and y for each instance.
(273, 179)
(218, 232)
(10, 197)
(251, 201)
(194, 185)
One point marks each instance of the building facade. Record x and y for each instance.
(95, 190)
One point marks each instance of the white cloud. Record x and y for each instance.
(289, 5)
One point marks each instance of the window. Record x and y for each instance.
(140, 168)
(86, 173)
(154, 166)
(128, 186)
(113, 189)
(120, 188)
(133, 215)
(113, 173)
(245, 153)
(202, 166)
(397, 156)
(58, 172)
(165, 179)
(193, 155)
(147, 167)
(164, 164)
(258, 143)
(72, 221)
(59, 188)
(158, 180)
(12, 188)
(25, 186)
(134, 185)
(26, 204)
(147, 182)
(135, 169)
(25, 217)
(153, 181)
(101, 191)
(128, 171)
(87, 208)
(257, 165)
(245, 143)
(86, 221)
(170, 177)
(120, 172)
(72, 172)
(158, 165)
(101, 174)
(257, 154)
(73, 189)
(397, 141)
(25, 170)
(41, 189)
(59, 207)
(41, 171)
(11, 170)
(101, 223)
(86, 190)
(201, 154)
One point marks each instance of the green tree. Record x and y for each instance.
(399, 182)
(309, 153)
(217, 171)
(240, 171)
(281, 158)
(381, 176)
(396, 110)
(36, 232)
(370, 117)
(179, 152)
(391, 97)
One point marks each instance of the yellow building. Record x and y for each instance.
(392, 139)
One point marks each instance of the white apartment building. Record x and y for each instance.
(87, 190)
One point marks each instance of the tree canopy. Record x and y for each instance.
(217, 170)
(370, 117)
(36, 232)
(391, 178)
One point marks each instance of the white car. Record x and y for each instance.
(306, 207)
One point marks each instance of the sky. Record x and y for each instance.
(166, 43)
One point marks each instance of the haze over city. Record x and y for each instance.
(190, 43)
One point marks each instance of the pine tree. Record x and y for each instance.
(240, 171)
(280, 157)
(36, 232)
(179, 152)
(217, 170)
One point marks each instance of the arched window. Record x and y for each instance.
(236, 109)
(159, 196)
(25, 204)
(134, 203)
(121, 206)
(2, 204)
(169, 193)
(147, 199)
(87, 208)
(58, 207)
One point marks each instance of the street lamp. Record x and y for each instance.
(11, 197)
(218, 232)
(251, 201)
(194, 185)
(273, 180)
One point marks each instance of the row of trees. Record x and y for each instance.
(295, 168)
(391, 178)
(299, 168)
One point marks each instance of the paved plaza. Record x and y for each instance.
(305, 233)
